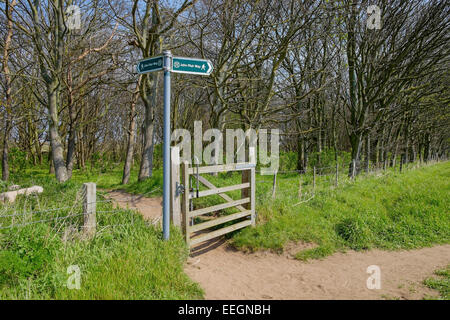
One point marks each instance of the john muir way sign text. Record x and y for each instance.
(170, 64)
(192, 66)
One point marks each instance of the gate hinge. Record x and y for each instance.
(179, 189)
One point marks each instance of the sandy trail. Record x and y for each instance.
(150, 208)
(225, 273)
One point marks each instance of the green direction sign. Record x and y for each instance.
(191, 66)
(150, 64)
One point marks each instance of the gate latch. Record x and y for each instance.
(179, 189)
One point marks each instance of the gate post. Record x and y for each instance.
(253, 194)
(248, 176)
(175, 191)
(185, 201)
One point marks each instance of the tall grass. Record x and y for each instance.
(127, 259)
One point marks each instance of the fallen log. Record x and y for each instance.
(12, 195)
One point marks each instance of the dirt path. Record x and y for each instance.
(150, 208)
(225, 273)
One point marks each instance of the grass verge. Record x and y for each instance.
(127, 259)
(386, 210)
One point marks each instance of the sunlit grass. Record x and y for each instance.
(127, 259)
(388, 211)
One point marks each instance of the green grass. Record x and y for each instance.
(130, 261)
(111, 178)
(388, 211)
(127, 259)
(440, 283)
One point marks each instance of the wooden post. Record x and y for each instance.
(185, 202)
(274, 186)
(245, 193)
(248, 176)
(401, 163)
(89, 209)
(252, 160)
(337, 175)
(175, 199)
(253, 195)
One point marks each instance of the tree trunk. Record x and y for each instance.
(149, 98)
(51, 167)
(426, 152)
(406, 137)
(9, 7)
(130, 144)
(301, 154)
(70, 151)
(5, 162)
(367, 153)
(72, 125)
(355, 133)
(394, 155)
(55, 139)
(356, 142)
(37, 145)
(146, 168)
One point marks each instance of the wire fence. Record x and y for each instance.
(87, 208)
(86, 214)
(333, 176)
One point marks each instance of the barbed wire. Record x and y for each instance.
(140, 207)
(36, 212)
(56, 210)
(111, 212)
(304, 171)
(40, 221)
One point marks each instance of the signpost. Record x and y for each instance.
(192, 66)
(151, 64)
(170, 64)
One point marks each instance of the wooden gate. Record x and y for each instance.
(195, 228)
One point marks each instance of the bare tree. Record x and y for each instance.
(7, 87)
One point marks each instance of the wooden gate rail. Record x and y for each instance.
(245, 205)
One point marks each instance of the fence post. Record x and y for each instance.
(337, 175)
(175, 203)
(185, 202)
(274, 186)
(89, 209)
